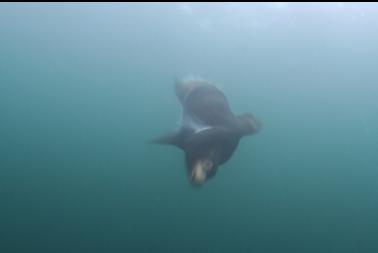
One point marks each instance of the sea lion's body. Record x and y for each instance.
(210, 132)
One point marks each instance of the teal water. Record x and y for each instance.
(84, 87)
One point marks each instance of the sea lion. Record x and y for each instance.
(209, 133)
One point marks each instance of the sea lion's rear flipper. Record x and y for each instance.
(184, 86)
(248, 124)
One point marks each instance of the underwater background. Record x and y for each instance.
(84, 87)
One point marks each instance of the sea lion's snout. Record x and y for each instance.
(200, 171)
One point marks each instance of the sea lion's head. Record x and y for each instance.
(202, 168)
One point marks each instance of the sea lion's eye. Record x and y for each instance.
(207, 164)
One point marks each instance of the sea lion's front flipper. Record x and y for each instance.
(175, 139)
(248, 124)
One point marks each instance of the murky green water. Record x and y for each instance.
(83, 87)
